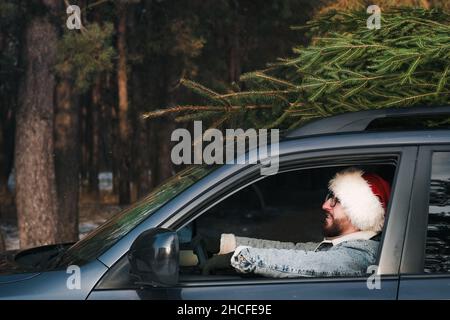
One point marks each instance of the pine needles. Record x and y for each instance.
(347, 67)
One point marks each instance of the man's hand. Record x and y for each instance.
(217, 262)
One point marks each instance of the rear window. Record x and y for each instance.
(437, 252)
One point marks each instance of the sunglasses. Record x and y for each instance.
(333, 199)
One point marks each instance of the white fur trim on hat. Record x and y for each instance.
(363, 208)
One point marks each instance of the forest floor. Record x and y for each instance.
(92, 214)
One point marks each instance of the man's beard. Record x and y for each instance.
(334, 230)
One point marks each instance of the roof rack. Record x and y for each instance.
(359, 121)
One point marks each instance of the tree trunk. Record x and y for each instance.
(6, 143)
(116, 145)
(5, 159)
(7, 107)
(3, 178)
(164, 162)
(108, 133)
(67, 159)
(124, 129)
(36, 199)
(425, 4)
(143, 177)
(141, 154)
(172, 70)
(3, 173)
(2, 243)
(234, 55)
(94, 136)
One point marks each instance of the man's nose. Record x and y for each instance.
(326, 205)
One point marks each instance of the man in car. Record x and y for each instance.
(355, 212)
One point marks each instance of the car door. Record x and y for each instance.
(111, 286)
(324, 288)
(425, 266)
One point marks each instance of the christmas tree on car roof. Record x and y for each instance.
(346, 67)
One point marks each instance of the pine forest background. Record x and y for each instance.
(86, 115)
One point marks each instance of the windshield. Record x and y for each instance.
(118, 226)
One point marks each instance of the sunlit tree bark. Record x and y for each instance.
(36, 198)
(124, 128)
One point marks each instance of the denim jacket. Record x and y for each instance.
(348, 255)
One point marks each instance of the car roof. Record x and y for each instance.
(360, 121)
(366, 140)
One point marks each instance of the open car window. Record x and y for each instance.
(286, 207)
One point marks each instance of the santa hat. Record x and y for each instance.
(364, 197)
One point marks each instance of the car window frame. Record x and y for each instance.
(413, 257)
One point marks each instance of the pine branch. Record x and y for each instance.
(178, 109)
(203, 91)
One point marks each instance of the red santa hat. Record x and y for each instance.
(364, 197)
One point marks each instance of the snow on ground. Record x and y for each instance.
(11, 234)
(90, 218)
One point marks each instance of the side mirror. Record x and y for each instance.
(154, 257)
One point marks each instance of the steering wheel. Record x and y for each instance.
(199, 248)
